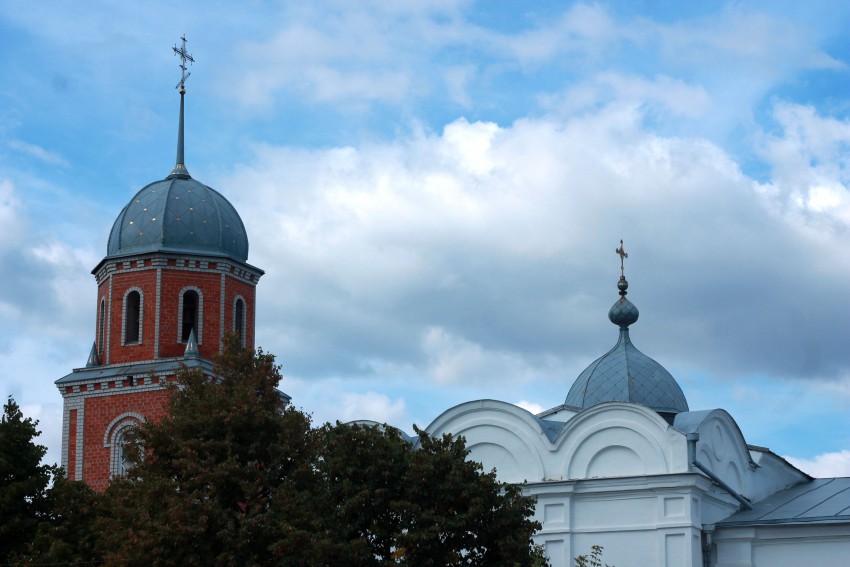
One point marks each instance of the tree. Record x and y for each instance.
(460, 515)
(233, 477)
(70, 534)
(23, 481)
(222, 480)
(390, 503)
(592, 560)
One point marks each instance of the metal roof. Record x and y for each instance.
(625, 374)
(160, 367)
(819, 501)
(114, 371)
(179, 214)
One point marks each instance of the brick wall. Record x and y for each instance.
(100, 411)
(92, 408)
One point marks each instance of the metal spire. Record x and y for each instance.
(191, 346)
(94, 359)
(622, 285)
(180, 167)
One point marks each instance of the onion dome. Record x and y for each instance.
(179, 214)
(624, 374)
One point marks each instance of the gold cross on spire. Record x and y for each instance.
(623, 255)
(184, 56)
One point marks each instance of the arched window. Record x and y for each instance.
(101, 327)
(191, 314)
(132, 316)
(115, 439)
(239, 319)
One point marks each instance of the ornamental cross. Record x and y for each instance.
(184, 56)
(623, 255)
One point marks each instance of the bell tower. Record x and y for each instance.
(174, 281)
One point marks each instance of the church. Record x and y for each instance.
(623, 462)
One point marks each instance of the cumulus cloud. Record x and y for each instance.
(484, 247)
(415, 253)
(810, 169)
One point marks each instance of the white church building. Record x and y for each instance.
(624, 463)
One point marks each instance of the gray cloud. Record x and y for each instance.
(497, 244)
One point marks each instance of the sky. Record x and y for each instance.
(435, 191)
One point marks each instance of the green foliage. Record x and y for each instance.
(23, 481)
(70, 534)
(224, 475)
(392, 504)
(593, 560)
(232, 477)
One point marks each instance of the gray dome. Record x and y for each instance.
(625, 374)
(179, 214)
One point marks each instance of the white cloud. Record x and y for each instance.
(530, 406)
(51, 158)
(453, 360)
(469, 242)
(826, 465)
(371, 406)
(580, 32)
(810, 185)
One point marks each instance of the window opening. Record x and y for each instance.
(239, 321)
(190, 315)
(132, 318)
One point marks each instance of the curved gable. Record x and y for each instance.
(617, 439)
(721, 446)
(500, 436)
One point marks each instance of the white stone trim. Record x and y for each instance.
(113, 437)
(158, 303)
(101, 327)
(109, 325)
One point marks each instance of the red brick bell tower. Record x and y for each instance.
(175, 279)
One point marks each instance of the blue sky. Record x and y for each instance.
(435, 191)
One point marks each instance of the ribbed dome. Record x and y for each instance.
(625, 374)
(179, 214)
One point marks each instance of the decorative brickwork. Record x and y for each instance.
(102, 402)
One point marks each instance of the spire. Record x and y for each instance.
(191, 346)
(623, 313)
(94, 359)
(180, 167)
